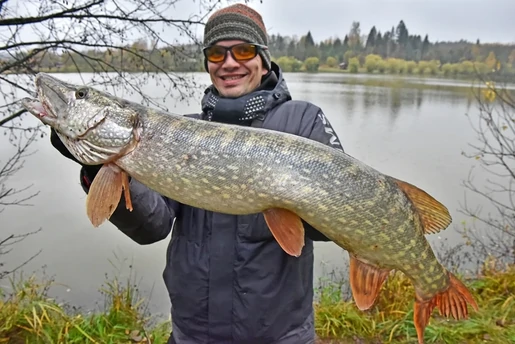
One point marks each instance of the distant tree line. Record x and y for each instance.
(394, 51)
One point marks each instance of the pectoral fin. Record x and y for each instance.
(287, 228)
(126, 190)
(105, 193)
(366, 282)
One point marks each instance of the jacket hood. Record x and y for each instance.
(242, 110)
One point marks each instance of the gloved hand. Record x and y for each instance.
(90, 170)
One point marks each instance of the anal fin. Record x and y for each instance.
(105, 193)
(287, 229)
(366, 282)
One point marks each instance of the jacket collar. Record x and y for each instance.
(242, 110)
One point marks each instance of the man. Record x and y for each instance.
(228, 279)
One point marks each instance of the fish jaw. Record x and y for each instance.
(95, 126)
(53, 95)
(40, 111)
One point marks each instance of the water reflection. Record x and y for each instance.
(370, 101)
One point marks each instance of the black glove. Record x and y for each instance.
(90, 170)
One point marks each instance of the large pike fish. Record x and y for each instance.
(381, 221)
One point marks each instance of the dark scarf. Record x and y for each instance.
(240, 110)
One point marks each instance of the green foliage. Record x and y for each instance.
(396, 51)
(381, 66)
(331, 62)
(348, 55)
(394, 66)
(410, 67)
(29, 315)
(311, 64)
(289, 64)
(372, 62)
(391, 319)
(354, 65)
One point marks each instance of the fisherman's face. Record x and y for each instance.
(236, 78)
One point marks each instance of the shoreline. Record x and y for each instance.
(28, 314)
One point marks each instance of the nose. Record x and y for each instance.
(230, 62)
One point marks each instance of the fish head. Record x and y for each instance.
(95, 126)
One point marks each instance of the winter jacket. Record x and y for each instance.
(228, 279)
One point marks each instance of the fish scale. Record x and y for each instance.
(380, 220)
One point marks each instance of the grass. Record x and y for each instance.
(28, 315)
(391, 319)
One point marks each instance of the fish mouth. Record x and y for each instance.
(40, 109)
(46, 111)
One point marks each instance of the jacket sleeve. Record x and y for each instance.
(151, 218)
(319, 129)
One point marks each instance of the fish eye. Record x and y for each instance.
(81, 93)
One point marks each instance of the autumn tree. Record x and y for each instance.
(354, 37)
(491, 61)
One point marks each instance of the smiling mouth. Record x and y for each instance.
(232, 77)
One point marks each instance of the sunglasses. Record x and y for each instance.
(239, 52)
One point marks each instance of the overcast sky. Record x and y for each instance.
(490, 21)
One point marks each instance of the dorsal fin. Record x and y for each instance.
(433, 215)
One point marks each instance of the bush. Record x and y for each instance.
(354, 65)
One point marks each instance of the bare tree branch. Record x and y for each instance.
(11, 117)
(111, 40)
(62, 14)
(11, 196)
(11, 240)
(115, 44)
(493, 234)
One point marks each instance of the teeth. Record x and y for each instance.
(232, 77)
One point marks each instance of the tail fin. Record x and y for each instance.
(452, 301)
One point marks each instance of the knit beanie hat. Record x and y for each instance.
(237, 22)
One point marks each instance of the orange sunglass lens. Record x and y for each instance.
(240, 52)
(244, 52)
(216, 54)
